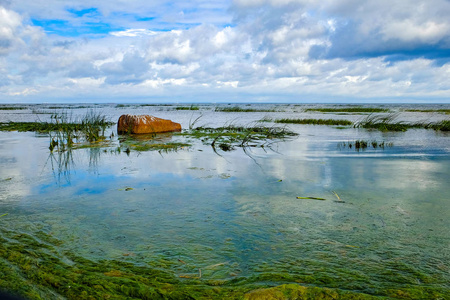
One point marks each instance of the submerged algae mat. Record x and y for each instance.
(35, 268)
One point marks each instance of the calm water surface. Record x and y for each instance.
(236, 214)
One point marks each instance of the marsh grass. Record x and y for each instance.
(314, 121)
(239, 109)
(443, 110)
(364, 144)
(442, 126)
(388, 123)
(12, 108)
(227, 138)
(192, 107)
(64, 131)
(357, 109)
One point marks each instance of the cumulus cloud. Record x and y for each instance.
(293, 48)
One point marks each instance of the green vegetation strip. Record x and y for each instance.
(12, 107)
(314, 121)
(187, 107)
(388, 123)
(350, 109)
(228, 137)
(445, 111)
(239, 109)
(36, 267)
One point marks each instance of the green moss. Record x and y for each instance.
(314, 121)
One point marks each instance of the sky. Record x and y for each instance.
(303, 51)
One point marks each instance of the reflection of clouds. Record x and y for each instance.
(20, 160)
(411, 174)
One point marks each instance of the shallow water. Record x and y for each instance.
(236, 214)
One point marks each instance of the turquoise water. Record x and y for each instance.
(236, 214)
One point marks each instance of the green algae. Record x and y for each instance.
(35, 267)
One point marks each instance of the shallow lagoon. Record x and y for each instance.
(234, 216)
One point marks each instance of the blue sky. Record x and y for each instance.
(225, 51)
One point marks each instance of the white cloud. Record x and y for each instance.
(348, 48)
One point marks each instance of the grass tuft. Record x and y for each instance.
(388, 123)
(358, 109)
(239, 109)
(192, 107)
(314, 121)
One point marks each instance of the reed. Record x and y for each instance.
(192, 107)
(12, 107)
(357, 109)
(314, 121)
(229, 137)
(388, 123)
(443, 110)
(384, 123)
(239, 109)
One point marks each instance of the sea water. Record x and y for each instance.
(384, 221)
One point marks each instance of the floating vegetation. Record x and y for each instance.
(358, 109)
(229, 137)
(363, 144)
(161, 143)
(311, 198)
(388, 123)
(338, 198)
(192, 107)
(239, 109)
(314, 121)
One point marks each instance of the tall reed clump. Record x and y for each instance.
(388, 123)
(383, 123)
(65, 131)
